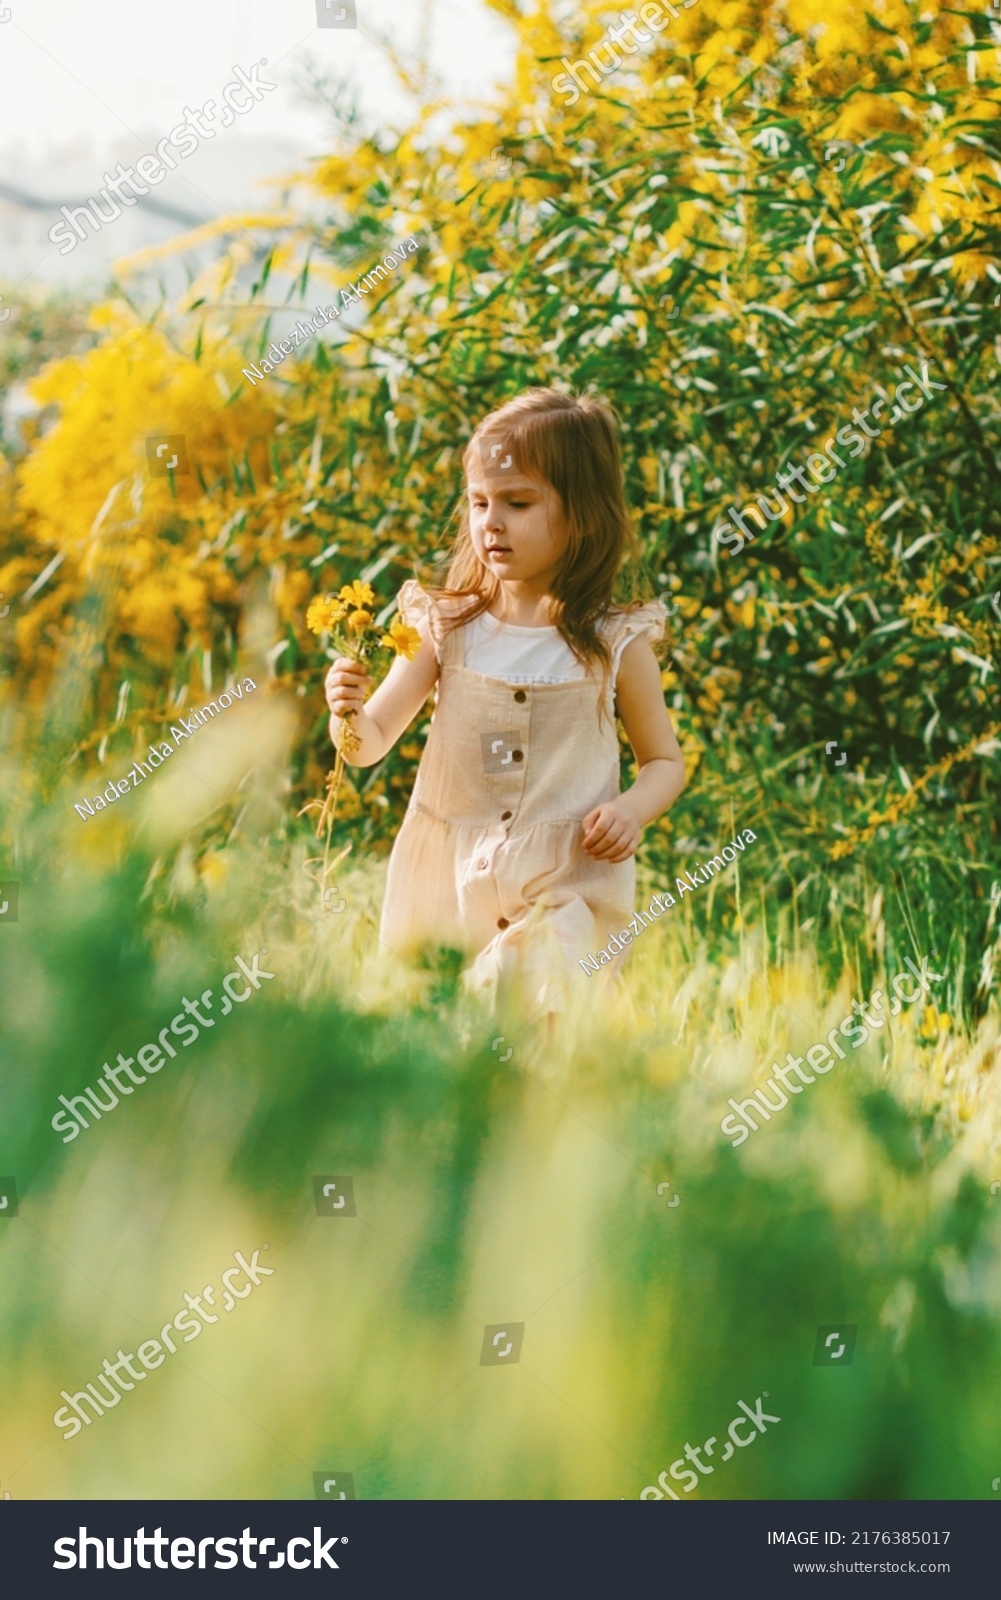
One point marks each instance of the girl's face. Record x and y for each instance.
(517, 527)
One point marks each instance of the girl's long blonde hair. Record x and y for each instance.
(572, 443)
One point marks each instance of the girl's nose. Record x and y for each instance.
(493, 521)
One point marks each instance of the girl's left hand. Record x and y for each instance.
(610, 832)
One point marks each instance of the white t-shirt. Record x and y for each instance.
(528, 656)
(518, 655)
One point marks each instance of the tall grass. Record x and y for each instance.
(487, 1191)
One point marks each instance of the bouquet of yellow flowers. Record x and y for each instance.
(348, 619)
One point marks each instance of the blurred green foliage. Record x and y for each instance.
(527, 1191)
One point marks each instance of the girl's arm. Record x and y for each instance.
(380, 722)
(612, 831)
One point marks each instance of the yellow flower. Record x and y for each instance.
(357, 594)
(213, 868)
(406, 641)
(323, 613)
(358, 621)
(933, 1023)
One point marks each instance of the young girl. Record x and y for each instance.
(517, 839)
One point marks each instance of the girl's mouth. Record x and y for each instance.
(498, 550)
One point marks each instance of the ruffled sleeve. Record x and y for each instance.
(419, 611)
(646, 621)
(430, 616)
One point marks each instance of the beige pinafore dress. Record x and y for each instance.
(488, 859)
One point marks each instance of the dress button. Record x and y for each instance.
(517, 755)
(506, 816)
(520, 696)
(502, 922)
(484, 865)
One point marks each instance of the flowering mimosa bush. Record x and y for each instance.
(741, 236)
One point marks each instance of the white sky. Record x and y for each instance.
(90, 72)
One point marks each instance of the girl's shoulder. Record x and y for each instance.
(644, 619)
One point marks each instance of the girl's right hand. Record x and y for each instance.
(346, 686)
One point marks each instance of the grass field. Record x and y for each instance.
(527, 1189)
